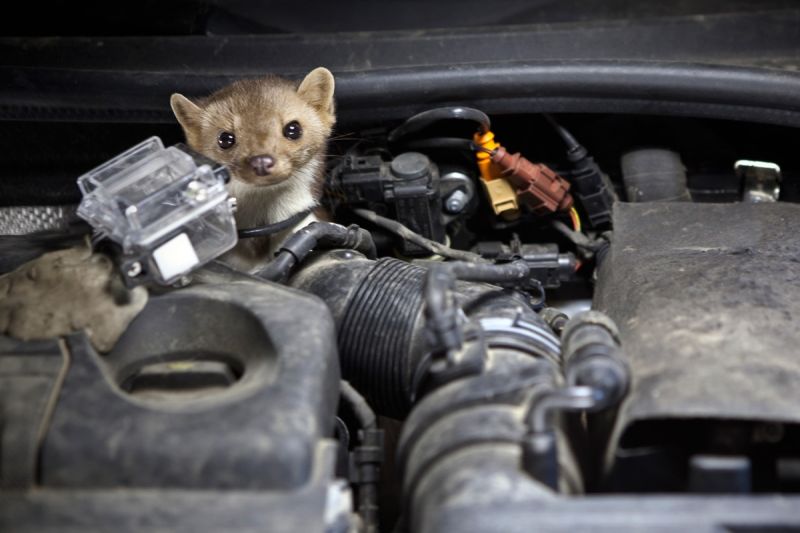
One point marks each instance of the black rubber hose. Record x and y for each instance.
(454, 143)
(379, 309)
(367, 457)
(426, 118)
(442, 313)
(363, 412)
(593, 356)
(317, 235)
(278, 269)
(654, 175)
(380, 339)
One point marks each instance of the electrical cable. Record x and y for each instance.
(443, 142)
(572, 143)
(405, 233)
(576, 219)
(592, 188)
(271, 229)
(581, 240)
(426, 118)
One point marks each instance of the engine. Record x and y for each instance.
(481, 339)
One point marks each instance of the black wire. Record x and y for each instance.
(271, 229)
(443, 142)
(363, 412)
(566, 136)
(426, 118)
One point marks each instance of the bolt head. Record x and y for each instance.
(456, 202)
(134, 270)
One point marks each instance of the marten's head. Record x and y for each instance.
(265, 130)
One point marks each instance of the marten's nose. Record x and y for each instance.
(262, 164)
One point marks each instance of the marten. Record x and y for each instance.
(272, 134)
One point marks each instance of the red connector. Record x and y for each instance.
(538, 187)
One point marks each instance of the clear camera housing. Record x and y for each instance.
(169, 214)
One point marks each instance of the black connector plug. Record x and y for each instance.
(592, 188)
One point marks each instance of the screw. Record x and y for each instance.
(134, 270)
(456, 202)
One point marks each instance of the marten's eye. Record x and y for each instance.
(293, 130)
(226, 139)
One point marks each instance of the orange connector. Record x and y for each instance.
(541, 189)
(486, 141)
(499, 191)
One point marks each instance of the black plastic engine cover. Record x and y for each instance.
(229, 385)
(213, 412)
(259, 432)
(707, 299)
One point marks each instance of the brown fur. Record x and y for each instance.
(256, 111)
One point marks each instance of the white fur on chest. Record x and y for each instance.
(257, 206)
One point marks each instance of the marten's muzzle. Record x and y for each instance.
(261, 164)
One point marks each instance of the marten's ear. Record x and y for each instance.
(187, 112)
(317, 89)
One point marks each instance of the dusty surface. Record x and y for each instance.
(67, 291)
(707, 299)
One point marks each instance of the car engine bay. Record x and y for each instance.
(530, 306)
